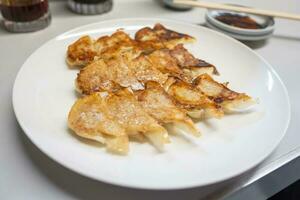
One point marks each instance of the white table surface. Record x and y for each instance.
(26, 173)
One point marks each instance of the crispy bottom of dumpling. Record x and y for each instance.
(157, 103)
(228, 99)
(89, 118)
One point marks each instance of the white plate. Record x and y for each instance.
(240, 36)
(44, 92)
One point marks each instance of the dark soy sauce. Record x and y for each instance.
(24, 13)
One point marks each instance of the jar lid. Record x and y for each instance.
(90, 8)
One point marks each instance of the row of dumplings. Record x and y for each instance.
(143, 88)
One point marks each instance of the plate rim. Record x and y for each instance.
(136, 186)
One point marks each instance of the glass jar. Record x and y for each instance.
(174, 6)
(90, 7)
(25, 15)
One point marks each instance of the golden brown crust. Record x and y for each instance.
(119, 72)
(145, 71)
(119, 43)
(187, 96)
(145, 34)
(186, 60)
(89, 118)
(164, 62)
(157, 103)
(128, 112)
(218, 92)
(81, 52)
(85, 49)
(162, 34)
(180, 63)
(98, 76)
(111, 117)
(191, 99)
(148, 82)
(159, 37)
(150, 46)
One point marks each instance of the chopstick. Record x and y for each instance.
(211, 5)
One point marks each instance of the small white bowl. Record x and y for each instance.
(240, 37)
(267, 23)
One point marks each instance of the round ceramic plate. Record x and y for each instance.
(44, 93)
